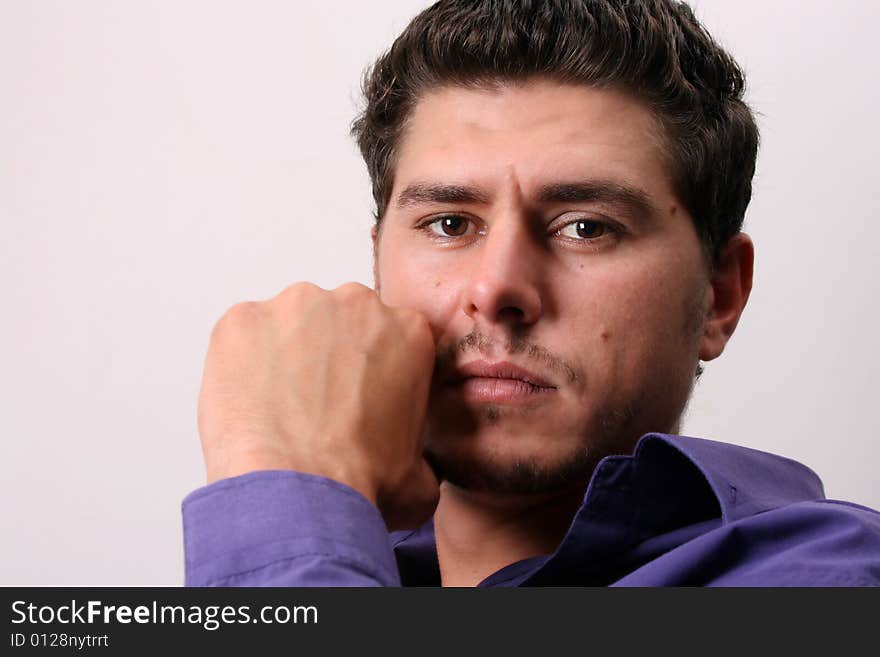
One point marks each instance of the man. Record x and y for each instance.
(560, 188)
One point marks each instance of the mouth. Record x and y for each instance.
(502, 382)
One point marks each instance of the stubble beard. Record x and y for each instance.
(531, 474)
(614, 431)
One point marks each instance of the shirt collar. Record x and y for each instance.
(671, 486)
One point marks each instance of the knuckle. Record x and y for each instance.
(241, 314)
(243, 318)
(354, 291)
(299, 290)
(417, 327)
(296, 296)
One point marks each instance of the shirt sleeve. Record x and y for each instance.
(284, 528)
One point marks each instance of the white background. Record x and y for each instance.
(160, 161)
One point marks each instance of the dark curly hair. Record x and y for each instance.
(655, 49)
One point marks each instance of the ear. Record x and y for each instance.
(374, 235)
(731, 284)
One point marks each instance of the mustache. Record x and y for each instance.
(477, 342)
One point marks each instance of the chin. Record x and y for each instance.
(510, 449)
(499, 450)
(512, 475)
(492, 459)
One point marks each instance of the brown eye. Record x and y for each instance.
(449, 226)
(591, 232)
(589, 229)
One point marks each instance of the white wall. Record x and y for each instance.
(160, 161)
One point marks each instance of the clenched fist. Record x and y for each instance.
(332, 383)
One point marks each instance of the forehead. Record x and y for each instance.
(532, 133)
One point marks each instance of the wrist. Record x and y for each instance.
(241, 464)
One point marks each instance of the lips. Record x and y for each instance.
(482, 381)
(481, 369)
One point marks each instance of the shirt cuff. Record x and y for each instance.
(246, 524)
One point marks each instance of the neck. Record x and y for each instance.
(478, 533)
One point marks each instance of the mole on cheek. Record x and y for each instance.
(437, 284)
(605, 335)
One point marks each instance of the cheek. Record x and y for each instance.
(416, 283)
(638, 325)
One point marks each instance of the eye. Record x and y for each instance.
(450, 225)
(584, 229)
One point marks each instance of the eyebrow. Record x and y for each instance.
(598, 191)
(586, 191)
(419, 193)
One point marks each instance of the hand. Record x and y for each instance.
(332, 383)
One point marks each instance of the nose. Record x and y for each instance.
(504, 284)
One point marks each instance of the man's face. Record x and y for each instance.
(537, 229)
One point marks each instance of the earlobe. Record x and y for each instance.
(731, 285)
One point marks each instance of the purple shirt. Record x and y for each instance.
(679, 512)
